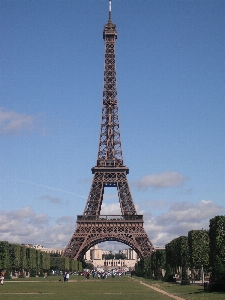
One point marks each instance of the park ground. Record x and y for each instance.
(120, 288)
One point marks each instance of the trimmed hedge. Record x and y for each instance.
(22, 259)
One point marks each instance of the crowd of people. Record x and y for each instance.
(103, 274)
(94, 273)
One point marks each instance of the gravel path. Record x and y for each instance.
(161, 291)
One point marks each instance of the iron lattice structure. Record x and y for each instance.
(110, 171)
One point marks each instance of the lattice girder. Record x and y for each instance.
(109, 179)
(90, 233)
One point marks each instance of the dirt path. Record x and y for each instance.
(161, 291)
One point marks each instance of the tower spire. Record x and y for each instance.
(110, 10)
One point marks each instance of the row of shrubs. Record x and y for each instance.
(15, 258)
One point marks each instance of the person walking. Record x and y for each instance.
(2, 278)
(193, 277)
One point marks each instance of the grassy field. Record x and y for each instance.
(120, 288)
(189, 292)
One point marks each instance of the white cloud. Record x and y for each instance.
(114, 209)
(161, 180)
(12, 122)
(191, 213)
(26, 226)
(65, 220)
(111, 209)
(51, 199)
(110, 196)
(156, 204)
(40, 220)
(25, 212)
(181, 218)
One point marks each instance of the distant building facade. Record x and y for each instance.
(42, 248)
(95, 256)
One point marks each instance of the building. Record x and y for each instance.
(95, 256)
(42, 248)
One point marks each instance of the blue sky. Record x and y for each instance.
(170, 60)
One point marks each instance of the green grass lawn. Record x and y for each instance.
(189, 292)
(120, 288)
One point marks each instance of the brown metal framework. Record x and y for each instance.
(110, 171)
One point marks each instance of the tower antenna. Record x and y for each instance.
(110, 9)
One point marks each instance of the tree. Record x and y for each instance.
(177, 255)
(31, 259)
(173, 255)
(14, 252)
(4, 256)
(80, 266)
(217, 249)
(120, 256)
(108, 256)
(218, 272)
(158, 262)
(60, 263)
(143, 267)
(23, 259)
(74, 265)
(184, 258)
(198, 244)
(45, 261)
(38, 261)
(169, 275)
(139, 268)
(87, 265)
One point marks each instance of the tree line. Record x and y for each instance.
(200, 250)
(15, 258)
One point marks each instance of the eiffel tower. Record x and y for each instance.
(110, 171)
